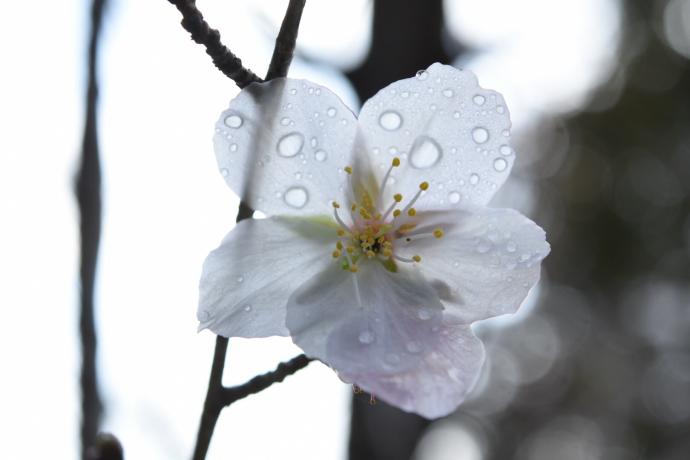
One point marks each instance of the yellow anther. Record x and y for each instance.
(424, 185)
(416, 258)
(397, 197)
(396, 162)
(377, 216)
(438, 233)
(350, 249)
(348, 169)
(336, 205)
(353, 207)
(370, 254)
(336, 254)
(341, 232)
(339, 245)
(387, 253)
(363, 212)
(353, 268)
(381, 240)
(406, 227)
(412, 212)
(397, 212)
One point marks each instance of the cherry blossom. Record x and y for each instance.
(378, 252)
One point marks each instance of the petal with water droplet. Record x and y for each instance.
(441, 145)
(276, 134)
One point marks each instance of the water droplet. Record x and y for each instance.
(233, 121)
(318, 91)
(425, 153)
(483, 247)
(479, 99)
(298, 175)
(413, 347)
(448, 92)
(480, 135)
(240, 279)
(511, 246)
(392, 358)
(331, 112)
(390, 120)
(233, 147)
(310, 90)
(506, 133)
(456, 114)
(247, 308)
(500, 109)
(290, 144)
(500, 164)
(224, 172)
(422, 75)
(293, 91)
(313, 142)
(320, 155)
(524, 257)
(424, 314)
(366, 337)
(405, 94)
(474, 178)
(454, 197)
(296, 197)
(505, 150)
(285, 121)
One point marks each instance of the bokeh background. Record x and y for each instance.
(596, 365)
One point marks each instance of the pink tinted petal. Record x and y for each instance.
(438, 383)
(246, 281)
(389, 333)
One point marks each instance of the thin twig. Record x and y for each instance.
(194, 23)
(261, 382)
(88, 192)
(218, 396)
(284, 48)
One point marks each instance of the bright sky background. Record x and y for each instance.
(166, 207)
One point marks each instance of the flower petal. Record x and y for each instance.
(281, 146)
(390, 332)
(486, 262)
(451, 132)
(439, 383)
(246, 281)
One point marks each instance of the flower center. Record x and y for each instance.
(373, 235)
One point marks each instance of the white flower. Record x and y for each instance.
(378, 252)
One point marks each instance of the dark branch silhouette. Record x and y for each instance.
(88, 191)
(218, 396)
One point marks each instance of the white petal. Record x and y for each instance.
(246, 281)
(282, 145)
(439, 383)
(447, 130)
(486, 262)
(389, 333)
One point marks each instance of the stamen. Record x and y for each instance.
(438, 233)
(348, 169)
(422, 187)
(336, 254)
(412, 212)
(344, 228)
(394, 164)
(397, 212)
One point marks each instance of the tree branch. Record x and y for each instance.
(284, 48)
(194, 23)
(88, 194)
(218, 396)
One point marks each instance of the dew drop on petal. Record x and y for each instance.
(224, 172)
(293, 91)
(474, 178)
(233, 147)
(448, 92)
(505, 150)
(331, 112)
(454, 197)
(511, 246)
(456, 114)
(483, 247)
(296, 197)
(313, 142)
(247, 308)
(240, 279)
(285, 121)
(390, 120)
(479, 99)
(290, 145)
(480, 135)
(425, 153)
(424, 314)
(422, 75)
(233, 121)
(413, 347)
(392, 358)
(320, 155)
(366, 337)
(500, 164)
(405, 94)
(500, 109)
